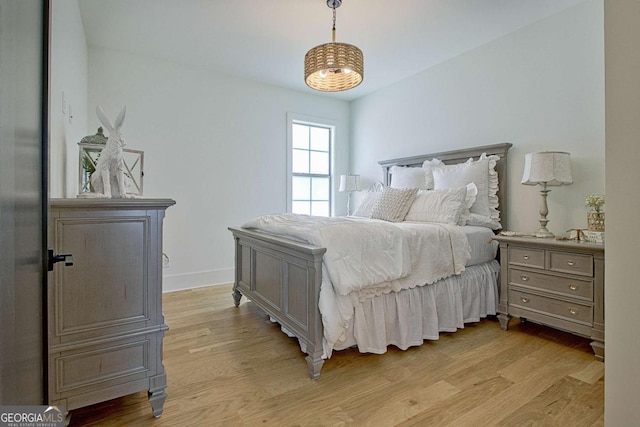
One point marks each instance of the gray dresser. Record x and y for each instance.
(558, 283)
(105, 321)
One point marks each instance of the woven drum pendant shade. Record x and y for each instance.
(333, 67)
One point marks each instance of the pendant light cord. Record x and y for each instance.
(333, 30)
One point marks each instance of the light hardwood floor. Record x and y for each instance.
(231, 366)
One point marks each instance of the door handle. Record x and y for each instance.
(52, 259)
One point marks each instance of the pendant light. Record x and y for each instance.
(333, 67)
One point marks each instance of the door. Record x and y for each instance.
(23, 199)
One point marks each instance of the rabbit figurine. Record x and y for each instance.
(108, 179)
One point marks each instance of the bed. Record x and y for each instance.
(287, 278)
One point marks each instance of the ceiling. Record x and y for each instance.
(266, 40)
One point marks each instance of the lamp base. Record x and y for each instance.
(544, 233)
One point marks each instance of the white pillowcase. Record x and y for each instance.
(408, 177)
(482, 173)
(429, 166)
(483, 221)
(472, 193)
(365, 207)
(443, 206)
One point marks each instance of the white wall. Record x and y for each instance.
(69, 75)
(214, 143)
(540, 88)
(622, 291)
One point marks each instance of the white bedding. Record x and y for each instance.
(434, 252)
(368, 257)
(407, 318)
(483, 247)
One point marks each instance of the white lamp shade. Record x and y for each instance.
(349, 183)
(550, 167)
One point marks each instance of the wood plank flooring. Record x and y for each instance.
(231, 366)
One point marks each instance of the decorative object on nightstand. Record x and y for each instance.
(548, 168)
(558, 283)
(595, 217)
(349, 183)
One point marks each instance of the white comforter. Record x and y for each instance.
(367, 257)
(359, 254)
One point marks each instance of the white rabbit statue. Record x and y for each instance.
(108, 180)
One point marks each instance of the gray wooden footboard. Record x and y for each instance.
(283, 278)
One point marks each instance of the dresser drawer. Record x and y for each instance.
(571, 287)
(526, 257)
(565, 262)
(101, 366)
(567, 310)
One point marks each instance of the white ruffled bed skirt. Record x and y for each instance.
(406, 318)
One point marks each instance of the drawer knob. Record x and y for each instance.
(525, 257)
(573, 311)
(573, 287)
(524, 278)
(571, 263)
(524, 299)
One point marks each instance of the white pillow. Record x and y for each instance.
(472, 192)
(483, 221)
(429, 166)
(482, 173)
(393, 204)
(365, 207)
(443, 206)
(408, 177)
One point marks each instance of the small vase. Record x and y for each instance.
(595, 221)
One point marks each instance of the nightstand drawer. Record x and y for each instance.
(568, 310)
(565, 262)
(572, 287)
(526, 256)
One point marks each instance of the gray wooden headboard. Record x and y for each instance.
(461, 156)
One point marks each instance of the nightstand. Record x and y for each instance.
(558, 283)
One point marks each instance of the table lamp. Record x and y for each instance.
(349, 183)
(548, 168)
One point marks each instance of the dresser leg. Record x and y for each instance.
(598, 349)
(157, 394)
(62, 407)
(504, 321)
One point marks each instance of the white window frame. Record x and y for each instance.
(293, 118)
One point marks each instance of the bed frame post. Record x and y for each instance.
(237, 295)
(283, 279)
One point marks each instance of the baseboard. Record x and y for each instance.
(178, 282)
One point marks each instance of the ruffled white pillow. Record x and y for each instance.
(481, 172)
(483, 221)
(472, 193)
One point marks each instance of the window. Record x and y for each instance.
(310, 163)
